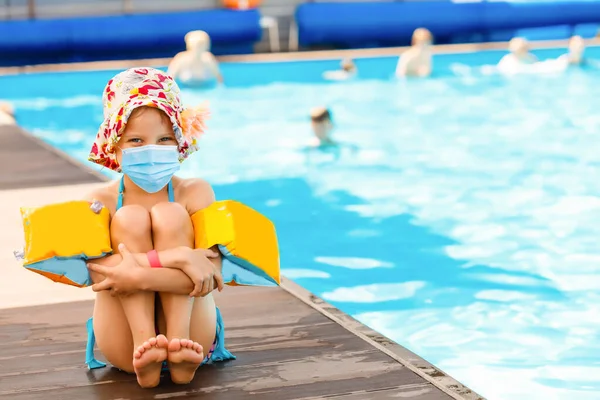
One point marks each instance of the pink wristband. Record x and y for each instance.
(153, 259)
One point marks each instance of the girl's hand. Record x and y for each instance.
(121, 279)
(204, 274)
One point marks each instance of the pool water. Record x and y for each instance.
(460, 217)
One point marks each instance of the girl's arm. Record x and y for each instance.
(170, 279)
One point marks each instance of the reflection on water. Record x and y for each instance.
(461, 217)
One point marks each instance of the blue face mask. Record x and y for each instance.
(151, 167)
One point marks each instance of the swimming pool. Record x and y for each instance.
(460, 219)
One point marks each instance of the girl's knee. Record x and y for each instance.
(132, 223)
(134, 214)
(170, 218)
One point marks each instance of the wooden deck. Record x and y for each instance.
(290, 344)
(26, 161)
(285, 349)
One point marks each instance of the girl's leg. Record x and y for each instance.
(124, 325)
(185, 318)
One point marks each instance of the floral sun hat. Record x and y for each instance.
(138, 87)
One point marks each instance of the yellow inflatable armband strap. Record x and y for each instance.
(60, 237)
(245, 237)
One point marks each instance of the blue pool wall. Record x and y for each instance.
(391, 23)
(329, 24)
(138, 36)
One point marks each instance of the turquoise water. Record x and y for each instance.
(460, 218)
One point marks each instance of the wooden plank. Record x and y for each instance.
(277, 381)
(425, 391)
(28, 162)
(286, 351)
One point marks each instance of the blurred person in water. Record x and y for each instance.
(519, 55)
(322, 127)
(347, 70)
(576, 50)
(417, 61)
(196, 66)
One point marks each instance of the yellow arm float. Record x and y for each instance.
(61, 237)
(246, 238)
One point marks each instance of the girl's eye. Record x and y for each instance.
(167, 139)
(135, 140)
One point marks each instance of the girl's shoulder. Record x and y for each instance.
(195, 193)
(106, 194)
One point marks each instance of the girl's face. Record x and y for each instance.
(146, 125)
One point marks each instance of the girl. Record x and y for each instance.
(145, 135)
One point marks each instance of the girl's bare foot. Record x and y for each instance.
(184, 358)
(148, 359)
